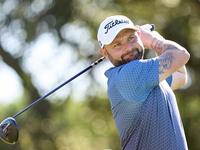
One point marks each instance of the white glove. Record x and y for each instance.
(148, 27)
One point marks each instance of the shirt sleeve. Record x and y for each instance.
(169, 80)
(136, 79)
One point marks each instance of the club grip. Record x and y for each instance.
(152, 27)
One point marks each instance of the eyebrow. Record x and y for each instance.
(119, 36)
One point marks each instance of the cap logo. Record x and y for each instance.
(114, 23)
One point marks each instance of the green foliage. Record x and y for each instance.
(69, 125)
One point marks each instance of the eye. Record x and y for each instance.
(116, 45)
(131, 38)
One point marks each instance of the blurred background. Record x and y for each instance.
(45, 42)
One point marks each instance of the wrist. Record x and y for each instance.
(156, 45)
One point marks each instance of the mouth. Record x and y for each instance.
(131, 55)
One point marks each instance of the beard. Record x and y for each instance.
(134, 54)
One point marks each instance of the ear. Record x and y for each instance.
(139, 33)
(104, 53)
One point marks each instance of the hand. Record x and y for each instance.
(144, 29)
(145, 35)
(153, 32)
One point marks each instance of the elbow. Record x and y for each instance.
(183, 76)
(187, 55)
(184, 81)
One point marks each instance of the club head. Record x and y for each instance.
(9, 131)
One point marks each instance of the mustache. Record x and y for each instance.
(132, 50)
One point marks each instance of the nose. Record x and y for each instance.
(127, 47)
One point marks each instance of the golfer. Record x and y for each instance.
(140, 90)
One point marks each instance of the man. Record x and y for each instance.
(141, 91)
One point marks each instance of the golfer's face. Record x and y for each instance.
(126, 47)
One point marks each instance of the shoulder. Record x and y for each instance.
(136, 67)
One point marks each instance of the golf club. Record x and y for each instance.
(8, 128)
(9, 132)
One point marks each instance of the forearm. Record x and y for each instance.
(154, 41)
(164, 46)
(179, 78)
(171, 57)
(159, 46)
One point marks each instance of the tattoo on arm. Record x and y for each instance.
(169, 47)
(159, 47)
(165, 62)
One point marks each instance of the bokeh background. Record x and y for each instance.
(45, 42)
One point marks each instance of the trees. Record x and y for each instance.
(48, 41)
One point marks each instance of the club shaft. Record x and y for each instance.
(86, 69)
(78, 74)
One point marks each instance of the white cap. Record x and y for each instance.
(111, 26)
